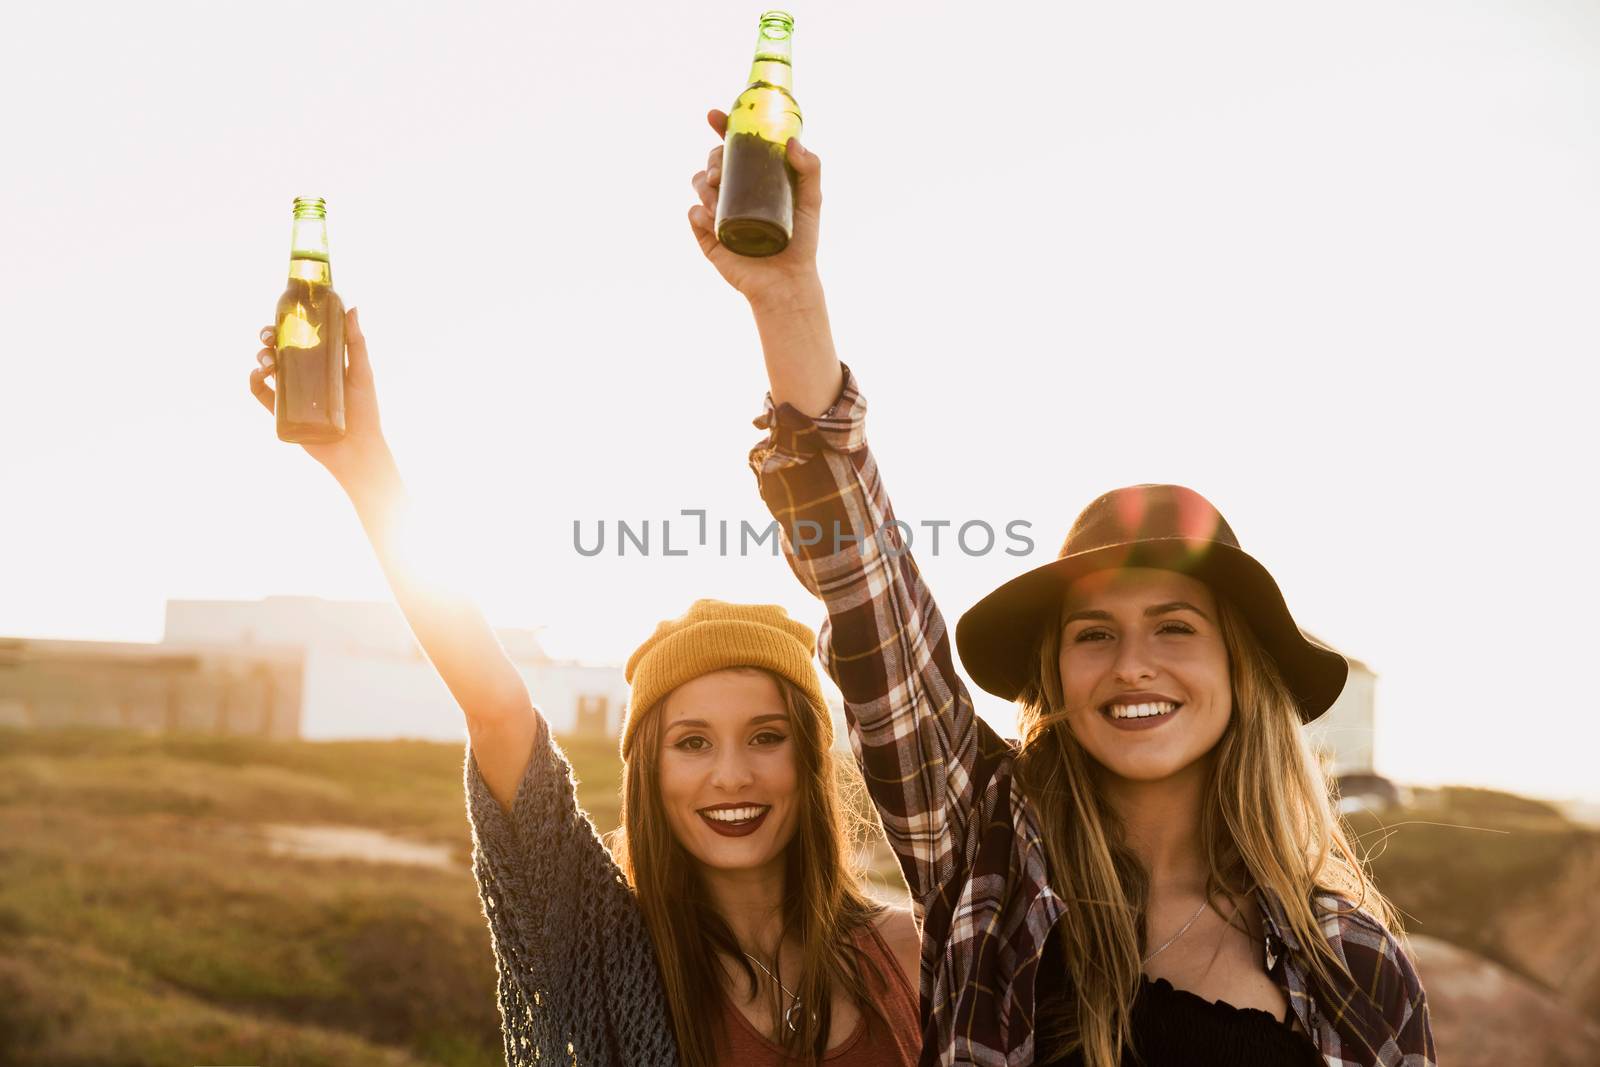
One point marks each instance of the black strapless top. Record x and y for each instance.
(1175, 1028)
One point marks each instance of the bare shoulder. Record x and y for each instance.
(898, 928)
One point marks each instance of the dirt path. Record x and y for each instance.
(354, 843)
(1485, 1016)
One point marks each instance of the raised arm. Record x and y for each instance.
(925, 755)
(575, 966)
(450, 628)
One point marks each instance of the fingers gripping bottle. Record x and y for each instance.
(755, 207)
(310, 335)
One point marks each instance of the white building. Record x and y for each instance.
(1342, 736)
(364, 676)
(330, 670)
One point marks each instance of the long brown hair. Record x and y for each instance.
(824, 906)
(1267, 821)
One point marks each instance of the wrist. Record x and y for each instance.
(368, 473)
(797, 345)
(794, 297)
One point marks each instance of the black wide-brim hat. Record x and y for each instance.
(1166, 527)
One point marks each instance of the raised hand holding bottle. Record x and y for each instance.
(310, 335)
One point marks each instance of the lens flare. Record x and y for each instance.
(297, 331)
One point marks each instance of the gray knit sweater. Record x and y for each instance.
(577, 978)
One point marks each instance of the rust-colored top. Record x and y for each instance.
(871, 1044)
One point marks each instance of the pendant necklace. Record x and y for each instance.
(793, 1011)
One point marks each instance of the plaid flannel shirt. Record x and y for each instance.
(944, 783)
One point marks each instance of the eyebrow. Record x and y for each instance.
(702, 724)
(1096, 615)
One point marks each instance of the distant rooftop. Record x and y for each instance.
(365, 627)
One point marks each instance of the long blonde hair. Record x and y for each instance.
(824, 906)
(1267, 822)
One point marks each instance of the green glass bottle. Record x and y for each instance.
(310, 320)
(755, 206)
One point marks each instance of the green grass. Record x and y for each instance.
(66, 1004)
(143, 920)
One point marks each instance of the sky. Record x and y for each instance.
(1336, 267)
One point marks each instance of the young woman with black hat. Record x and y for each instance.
(732, 929)
(1154, 873)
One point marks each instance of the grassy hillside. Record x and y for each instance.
(1508, 878)
(145, 919)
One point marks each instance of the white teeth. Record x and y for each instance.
(1140, 711)
(734, 814)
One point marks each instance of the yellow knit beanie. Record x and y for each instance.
(712, 635)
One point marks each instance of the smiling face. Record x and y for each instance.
(728, 774)
(1144, 671)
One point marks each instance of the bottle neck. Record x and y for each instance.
(774, 52)
(308, 252)
(772, 70)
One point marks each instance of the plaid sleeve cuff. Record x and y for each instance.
(793, 437)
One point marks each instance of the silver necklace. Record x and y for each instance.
(1168, 942)
(794, 1007)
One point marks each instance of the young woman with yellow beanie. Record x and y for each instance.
(733, 820)
(1154, 874)
(732, 928)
